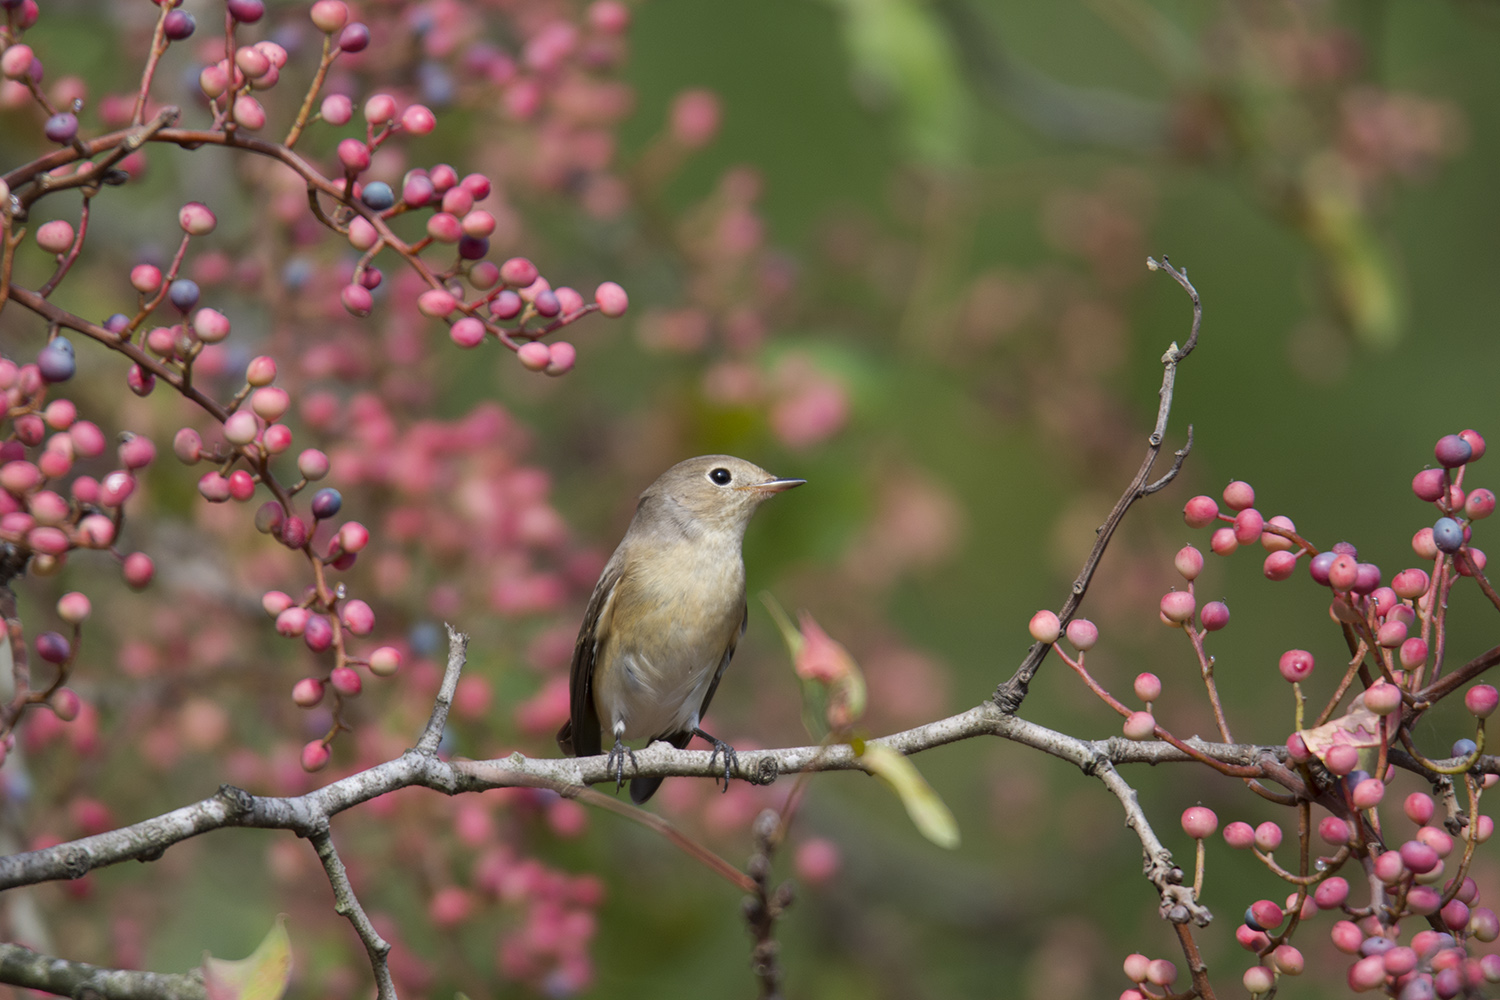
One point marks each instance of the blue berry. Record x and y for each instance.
(326, 503)
(183, 293)
(116, 322)
(1250, 920)
(56, 360)
(1448, 535)
(378, 195)
(1462, 748)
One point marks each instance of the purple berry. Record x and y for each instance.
(179, 25)
(53, 647)
(1452, 451)
(326, 503)
(56, 360)
(1319, 566)
(354, 38)
(62, 127)
(246, 11)
(473, 247)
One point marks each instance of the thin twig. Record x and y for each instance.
(346, 904)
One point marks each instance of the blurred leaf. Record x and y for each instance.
(1360, 271)
(262, 976)
(930, 814)
(902, 55)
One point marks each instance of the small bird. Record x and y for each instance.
(666, 614)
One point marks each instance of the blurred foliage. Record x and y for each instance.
(940, 316)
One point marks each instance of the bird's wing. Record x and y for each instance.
(580, 734)
(734, 640)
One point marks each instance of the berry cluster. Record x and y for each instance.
(1346, 757)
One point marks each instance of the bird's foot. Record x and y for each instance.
(616, 761)
(731, 759)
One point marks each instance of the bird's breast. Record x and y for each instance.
(674, 616)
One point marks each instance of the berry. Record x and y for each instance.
(1239, 835)
(1083, 634)
(1452, 451)
(1214, 616)
(1199, 822)
(56, 361)
(1147, 687)
(1296, 665)
(314, 756)
(1481, 700)
(1045, 627)
(1177, 606)
(1140, 726)
(183, 294)
(179, 24)
(1189, 562)
(326, 503)
(53, 647)
(61, 127)
(1428, 484)
(378, 195)
(1200, 512)
(1447, 535)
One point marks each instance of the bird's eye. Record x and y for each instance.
(720, 477)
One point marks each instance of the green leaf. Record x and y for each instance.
(926, 809)
(262, 976)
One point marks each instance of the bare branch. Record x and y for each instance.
(347, 905)
(21, 966)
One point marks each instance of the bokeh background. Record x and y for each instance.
(894, 247)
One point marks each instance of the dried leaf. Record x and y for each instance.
(262, 976)
(926, 809)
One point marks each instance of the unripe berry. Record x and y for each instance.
(611, 299)
(1391, 635)
(353, 536)
(1413, 653)
(1223, 542)
(1481, 700)
(346, 681)
(274, 602)
(1214, 616)
(1331, 892)
(74, 608)
(312, 464)
(249, 113)
(260, 371)
(1177, 606)
(241, 427)
(138, 569)
(1045, 627)
(1410, 583)
(1333, 831)
(1239, 835)
(354, 156)
(1189, 562)
(1161, 972)
(1383, 698)
(1272, 542)
(65, 704)
(53, 647)
(534, 356)
(418, 120)
(1268, 836)
(1479, 505)
(1342, 759)
(357, 300)
(314, 756)
(385, 661)
(1296, 665)
(1239, 495)
(1343, 573)
(1083, 634)
(336, 109)
(1368, 793)
(1200, 512)
(1248, 525)
(518, 271)
(1280, 565)
(354, 38)
(1147, 687)
(1140, 726)
(358, 617)
(307, 692)
(436, 303)
(1418, 857)
(292, 621)
(1135, 967)
(55, 236)
(1199, 822)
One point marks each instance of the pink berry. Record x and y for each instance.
(145, 278)
(353, 536)
(358, 617)
(1189, 562)
(1280, 565)
(1239, 495)
(1147, 687)
(1161, 972)
(1200, 512)
(1333, 831)
(418, 120)
(385, 661)
(1268, 836)
(1429, 484)
(346, 681)
(1177, 606)
(1214, 616)
(1083, 634)
(74, 608)
(1479, 505)
(1342, 759)
(1248, 526)
(65, 704)
(1475, 442)
(518, 272)
(275, 602)
(55, 236)
(1383, 698)
(1239, 835)
(611, 299)
(292, 621)
(1199, 822)
(1368, 793)
(1481, 700)
(1223, 542)
(1419, 807)
(1296, 665)
(1343, 573)
(318, 635)
(561, 357)
(315, 756)
(1140, 726)
(1045, 627)
(307, 692)
(312, 464)
(1418, 856)
(467, 332)
(534, 356)
(261, 370)
(1331, 892)
(1413, 653)
(1452, 451)
(357, 300)
(138, 570)
(1296, 748)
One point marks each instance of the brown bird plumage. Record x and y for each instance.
(666, 614)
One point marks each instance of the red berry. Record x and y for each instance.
(1296, 665)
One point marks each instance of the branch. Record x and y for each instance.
(20, 966)
(1010, 694)
(347, 905)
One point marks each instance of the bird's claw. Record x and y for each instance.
(731, 758)
(616, 761)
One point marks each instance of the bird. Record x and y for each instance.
(665, 616)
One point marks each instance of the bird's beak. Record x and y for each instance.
(775, 485)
